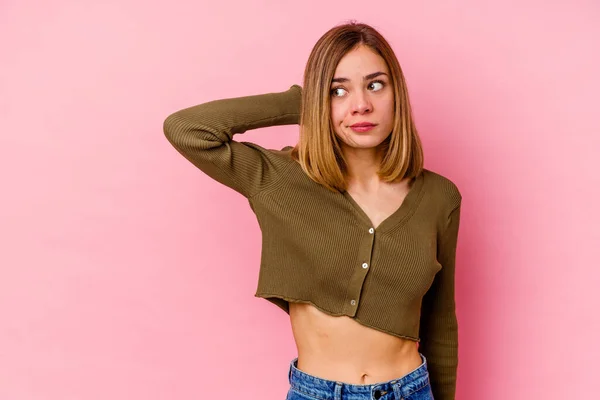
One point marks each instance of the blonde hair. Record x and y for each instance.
(318, 150)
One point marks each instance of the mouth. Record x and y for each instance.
(362, 126)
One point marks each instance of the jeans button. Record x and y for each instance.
(377, 394)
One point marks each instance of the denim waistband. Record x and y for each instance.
(334, 390)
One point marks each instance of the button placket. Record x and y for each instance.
(360, 273)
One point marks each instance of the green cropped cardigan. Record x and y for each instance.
(320, 247)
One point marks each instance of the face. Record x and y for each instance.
(361, 93)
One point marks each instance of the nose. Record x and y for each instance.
(361, 103)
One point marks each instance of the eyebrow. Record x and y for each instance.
(370, 76)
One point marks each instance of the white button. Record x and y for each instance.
(353, 302)
(365, 265)
(371, 230)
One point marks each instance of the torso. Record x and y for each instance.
(341, 349)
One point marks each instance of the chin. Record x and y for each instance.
(365, 142)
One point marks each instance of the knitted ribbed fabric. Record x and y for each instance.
(320, 247)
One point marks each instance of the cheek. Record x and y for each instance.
(338, 113)
(390, 105)
(387, 111)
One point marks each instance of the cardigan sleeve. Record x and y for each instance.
(203, 134)
(438, 327)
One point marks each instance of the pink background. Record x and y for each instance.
(128, 274)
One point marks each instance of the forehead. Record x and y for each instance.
(360, 62)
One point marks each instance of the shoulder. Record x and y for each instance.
(442, 188)
(275, 156)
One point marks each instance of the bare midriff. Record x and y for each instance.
(338, 348)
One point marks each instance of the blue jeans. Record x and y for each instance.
(413, 386)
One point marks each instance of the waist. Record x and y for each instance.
(399, 387)
(342, 349)
(358, 369)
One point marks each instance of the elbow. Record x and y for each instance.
(171, 127)
(188, 134)
(177, 130)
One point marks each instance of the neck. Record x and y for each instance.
(362, 167)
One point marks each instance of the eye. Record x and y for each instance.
(335, 91)
(379, 84)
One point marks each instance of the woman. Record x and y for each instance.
(359, 239)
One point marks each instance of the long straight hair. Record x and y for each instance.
(318, 150)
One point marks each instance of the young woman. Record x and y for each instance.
(359, 239)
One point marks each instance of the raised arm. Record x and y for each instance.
(439, 328)
(204, 135)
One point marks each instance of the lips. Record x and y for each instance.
(362, 124)
(362, 127)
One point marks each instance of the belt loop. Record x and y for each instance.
(290, 371)
(338, 391)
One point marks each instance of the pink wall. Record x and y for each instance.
(127, 274)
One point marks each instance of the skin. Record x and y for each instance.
(339, 348)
